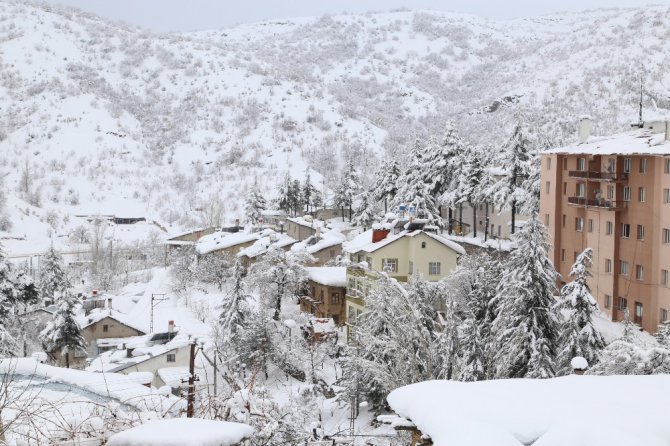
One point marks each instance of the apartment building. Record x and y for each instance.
(613, 195)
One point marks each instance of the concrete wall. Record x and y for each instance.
(115, 329)
(298, 231)
(326, 255)
(182, 356)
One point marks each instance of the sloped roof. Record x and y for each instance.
(99, 314)
(634, 142)
(363, 242)
(328, 275)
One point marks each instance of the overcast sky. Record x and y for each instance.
(185, 15)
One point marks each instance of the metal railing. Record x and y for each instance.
(604, 176)
(597, 203)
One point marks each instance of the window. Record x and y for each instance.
(579, 224)
(423, 245)
(623, 303)
(667, 165)
(666, 196)
(581, 189)
(335, 298)
(664, 315)
(546, 220)
(666, 235)
(434, 268)
(105, 328)
(639, 272)
(581, 164)
(623, 267)
(626, 165)
(410, 269)
(611, 165)
(641, 194)
(608, 301)
(574, 256)
(565, 164)
(625, 230)
(368, 260)
(171, 357)
(590, 225)
(548, 163)
(664, 277)
(390, 265)
(332, 253)
(608, 266)
(609, 228)
(643, 165)
(80, 353)
(564, 218)
(547, 187)
(610, 192)
(351, 316)
(640, 232)
(638, 312)
(562, 255)
(626, 193)
(565, 188)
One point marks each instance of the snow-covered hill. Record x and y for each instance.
(98, 118)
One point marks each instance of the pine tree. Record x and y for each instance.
(663, 334)
(508, 192)
(284, 199)
(349, 187)
(527, 326)
(629, 327)
(308, 193)
(63, 332)
(295, 197)
(364, 213)
(385, 185)
(414, 192)
(53, 280)
(255, 204)
(579, 337)
(235, 309)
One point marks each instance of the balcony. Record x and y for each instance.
(595, 203)
(598, 176)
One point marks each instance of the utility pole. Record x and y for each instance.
(190, 399)
(157, 298)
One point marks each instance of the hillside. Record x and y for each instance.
(99, 118)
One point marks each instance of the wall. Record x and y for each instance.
(320, 302)
(182, 356)
(115, 330)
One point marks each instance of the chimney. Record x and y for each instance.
(379, 234)
(170, 326)
(94, 293)
(584, 129)
(109, 303)
(129, 352)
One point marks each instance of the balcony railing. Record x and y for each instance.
(598, 176)
(605, 204)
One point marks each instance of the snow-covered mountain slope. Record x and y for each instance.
(99, 118)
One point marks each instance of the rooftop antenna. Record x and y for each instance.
(640, 123)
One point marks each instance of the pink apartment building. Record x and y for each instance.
(612, 194)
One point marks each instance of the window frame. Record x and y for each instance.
(434, 266)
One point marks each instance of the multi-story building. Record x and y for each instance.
(400, 249)
(613, 195)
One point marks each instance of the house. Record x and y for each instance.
(32, 324)
(330, 213)
(188, 238)
(148, 354)
(401, 249)
(249, 255)
(301, 228)
(225, 243)
(612, 194)
(325, 293)
(325, 246)
(273, 219)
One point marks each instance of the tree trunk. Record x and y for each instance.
(450, 218)
(486, 220)
(474, 219)
(513, 216)
(460, 218)
(67, 360)
(385, 205)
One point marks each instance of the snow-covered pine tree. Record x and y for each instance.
(663, 334)
(296, 197)
(279, 274)
(308, 193)
(349, 187)
(579, 337)
(414, 191)
(385, 184)
(629, 327)
(53, 280)
(527, 326)
(63, 333)
(508, 192)
(284, 198)
(234, 311)
(442, 160)
(254, 204)
(5, 222)
(365, 210)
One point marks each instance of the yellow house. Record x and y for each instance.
(401, 251)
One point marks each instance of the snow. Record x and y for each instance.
(99, 314)
(174, 376)
(106, 385)
(263, 244)
(318, 242)
(183, 432)
(328, 275)
(579, 363)
(363, 242)
(571, 410)
(224, 240)
(117, 360)
(635, 142)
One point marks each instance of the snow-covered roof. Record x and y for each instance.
(272, 213)
(307, 221)
(634, 142)
(223, 240)
(263, 244)
(98, 314)
(183, 233)
(117, 360)
(322, 325)
(174, 376)
(318, 242)
(562, 411)
(105, 385)
(363, 242)
(328, 275)
(183, 432)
